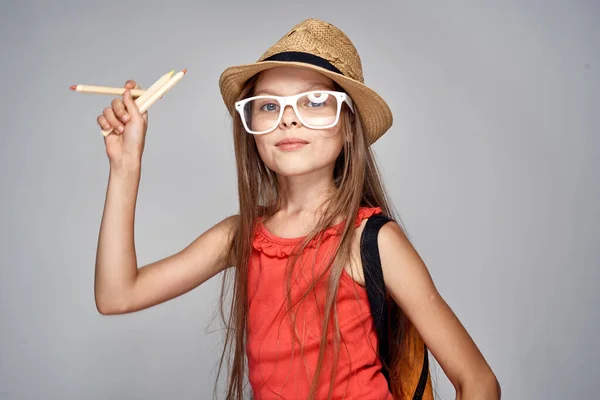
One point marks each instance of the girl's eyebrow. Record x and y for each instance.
(307, 88)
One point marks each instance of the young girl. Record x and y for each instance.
(299, 324)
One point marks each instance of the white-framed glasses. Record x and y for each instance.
(317, 109)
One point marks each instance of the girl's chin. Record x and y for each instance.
(297, 170)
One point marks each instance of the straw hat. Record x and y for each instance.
(322, 47)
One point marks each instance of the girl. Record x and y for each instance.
(307, 181)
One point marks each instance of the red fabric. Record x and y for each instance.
(277, 368)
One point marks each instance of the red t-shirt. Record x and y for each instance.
(278, 367)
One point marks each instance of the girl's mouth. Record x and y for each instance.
(288, 144)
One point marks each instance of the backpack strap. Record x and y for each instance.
(369, 254)
(376, 293)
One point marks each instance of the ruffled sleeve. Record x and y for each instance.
(366, 212)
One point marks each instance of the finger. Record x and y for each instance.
(103, 122)
(132, 107)
(113, 120)
(119, 110)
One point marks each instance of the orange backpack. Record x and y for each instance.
(408, 376)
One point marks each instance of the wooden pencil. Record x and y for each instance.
(95, 89)
(154, 87)
(105, 90)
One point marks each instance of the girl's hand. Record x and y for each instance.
(125, 144)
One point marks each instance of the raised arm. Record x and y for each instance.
(120, 286)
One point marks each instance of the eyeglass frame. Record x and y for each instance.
(291, 100)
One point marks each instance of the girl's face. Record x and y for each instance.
(308, 150)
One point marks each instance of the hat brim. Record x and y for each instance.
(374, 113)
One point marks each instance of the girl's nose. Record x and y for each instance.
(289, 118)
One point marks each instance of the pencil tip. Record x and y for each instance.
(184, 70)
(73, 87)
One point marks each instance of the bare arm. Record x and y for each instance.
(411, 286)
(119, 285)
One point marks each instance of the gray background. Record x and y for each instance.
(492, 162)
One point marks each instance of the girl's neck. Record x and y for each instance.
(301, 195)
(305, 194)
(301, 202)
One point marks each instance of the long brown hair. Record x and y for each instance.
(358, 183)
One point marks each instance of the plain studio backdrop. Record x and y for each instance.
(492, 162)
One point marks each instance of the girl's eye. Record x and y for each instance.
(269, 107)
(317, 99)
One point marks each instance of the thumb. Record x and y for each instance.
(132, 108)
(131, 84)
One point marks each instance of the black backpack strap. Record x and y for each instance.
(376, 293)
(420, 390)
(369, 253)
